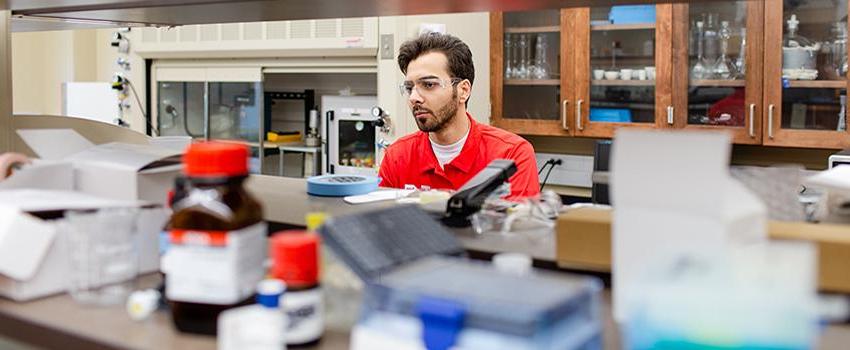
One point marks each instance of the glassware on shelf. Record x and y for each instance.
(699, 70)
(799, 54)
(509, 54)
(724, 67)
(711, 40)
(837, 57)
(522, 70)
(741, 62)
(541, 67)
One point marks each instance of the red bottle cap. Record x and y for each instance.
(216, 159)
(295, 257)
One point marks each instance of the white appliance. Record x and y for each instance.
(350, 135)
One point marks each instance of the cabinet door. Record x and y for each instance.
(526, 66)
(623, 69)
(717, 78)
(805, 78)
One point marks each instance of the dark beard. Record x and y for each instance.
(442, 117)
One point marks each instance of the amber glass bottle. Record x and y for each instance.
(218, 238)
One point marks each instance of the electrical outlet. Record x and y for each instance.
(387, 50)
(573, 171)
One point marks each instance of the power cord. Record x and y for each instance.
(552, 162)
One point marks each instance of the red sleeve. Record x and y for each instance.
(525, 183)
(387, 170)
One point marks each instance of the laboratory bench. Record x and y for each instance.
(59, 322)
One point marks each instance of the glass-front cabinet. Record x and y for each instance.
(622, 69)
(530, 53)
(770, 72)
(717, 73)
(805, 67)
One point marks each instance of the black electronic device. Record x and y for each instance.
(470, 197)
(374, 243)
(601, 169)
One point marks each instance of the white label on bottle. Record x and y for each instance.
(304, 315)
(215, 267)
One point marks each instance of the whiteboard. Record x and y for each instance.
(90, 100)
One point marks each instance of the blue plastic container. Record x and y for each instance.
(632, 14)
(611, 115)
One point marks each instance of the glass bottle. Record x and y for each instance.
(217, 239)
(798, 52)
(541, 66)
(699, 71)
(522, 68)
(711, 50)
(509, 54)
(724, 68)
(838, 51)
(741, 62)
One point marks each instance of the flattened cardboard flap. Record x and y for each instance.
(54, 144)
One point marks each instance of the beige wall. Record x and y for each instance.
(42, 61)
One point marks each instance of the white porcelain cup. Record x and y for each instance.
(612, 75)
(625, 74)
(598, 74)
(650, 72)
(641, 74)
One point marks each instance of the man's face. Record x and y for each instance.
(434, 100)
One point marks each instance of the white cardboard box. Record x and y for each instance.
(33, 248)
(675, 201)
(112, 170)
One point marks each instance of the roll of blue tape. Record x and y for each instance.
(338, 185)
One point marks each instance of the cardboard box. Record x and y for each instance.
(112, 170)
(34, 250)
(583, 239)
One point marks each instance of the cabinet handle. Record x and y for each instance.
(578, 114)
(564, 114)
(670, 115)
(752, 120)
(770, 121)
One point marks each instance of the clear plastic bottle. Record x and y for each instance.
(217, 236)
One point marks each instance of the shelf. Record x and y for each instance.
(719, 83)
(543, 29)
(818, 84)
(623, 82)
(636, 26)
(533, 82)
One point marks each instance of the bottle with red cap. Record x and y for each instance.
(217, 238)
(295, 260)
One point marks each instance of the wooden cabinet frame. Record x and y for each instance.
(581, 73)
(773, 133)
(750, 133)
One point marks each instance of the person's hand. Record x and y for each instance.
(8, 161)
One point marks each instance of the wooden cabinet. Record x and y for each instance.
(523, 102)
(803, 113)
(718, 66)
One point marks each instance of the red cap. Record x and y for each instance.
(295, 257)
(215, 159)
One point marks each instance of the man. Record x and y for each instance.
(451, 146)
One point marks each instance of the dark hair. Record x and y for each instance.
(456, 51)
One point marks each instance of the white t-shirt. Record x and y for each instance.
(446, 153)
